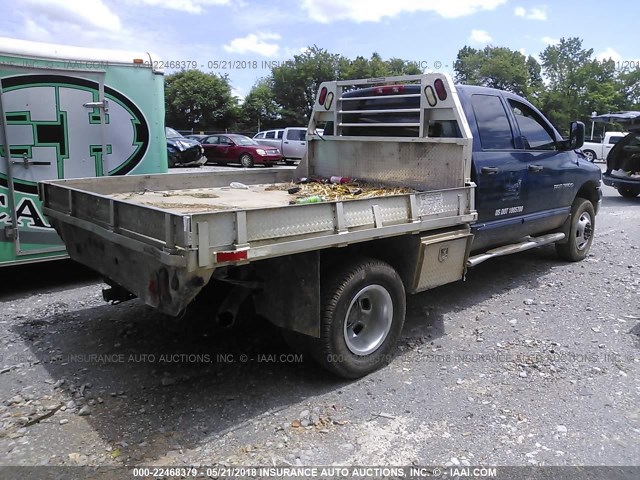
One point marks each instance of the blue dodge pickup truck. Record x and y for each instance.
(412, 181)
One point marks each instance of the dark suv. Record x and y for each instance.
(181, 151)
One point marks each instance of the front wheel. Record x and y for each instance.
(627, 192)
(246, 161)
(591, 155)
(583, 218)
(364, 307)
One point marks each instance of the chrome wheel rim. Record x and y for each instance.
(368, 320)
(584, 231)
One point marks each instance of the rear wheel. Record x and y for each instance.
(627, 192)
(364, 308)
(246, 160)
(583, 224)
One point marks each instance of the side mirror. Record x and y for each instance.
(576, 135)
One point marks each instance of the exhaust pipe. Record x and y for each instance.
(229, 308)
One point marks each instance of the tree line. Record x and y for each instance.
(568, 83)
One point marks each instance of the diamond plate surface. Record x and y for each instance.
(419, 165)
(442, 262)
(287, 222)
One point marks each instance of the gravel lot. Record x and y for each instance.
(531, 361)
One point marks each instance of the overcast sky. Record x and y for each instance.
(245, 35)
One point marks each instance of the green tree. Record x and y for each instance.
(260, 111)
(630, 84)
(195, 99)
(295, 83)
(498, 67)
(578, 84)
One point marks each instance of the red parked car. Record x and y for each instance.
(233, 148)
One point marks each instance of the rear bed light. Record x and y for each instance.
(232, 256)
(441, 91)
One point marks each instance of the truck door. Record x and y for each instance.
(294, 143)
(549, 171)
(499, 173)
(52, 127)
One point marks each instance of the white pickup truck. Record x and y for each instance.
(599, 150)
(291, 142)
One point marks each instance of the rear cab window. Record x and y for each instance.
(296, 135)
(493, 125)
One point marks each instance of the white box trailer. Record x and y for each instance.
(68, 112)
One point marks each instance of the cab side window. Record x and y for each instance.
(280, 132)
(271, 134)
(493, 124)
(260, 135)
(535, 134)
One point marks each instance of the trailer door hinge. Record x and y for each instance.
(103, 104)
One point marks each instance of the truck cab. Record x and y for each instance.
(527, 175)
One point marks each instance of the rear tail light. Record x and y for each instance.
(441, 91)
(323, 95)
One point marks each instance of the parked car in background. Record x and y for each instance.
(234, 148)
(291, 142)
(599, 150)
(181, 151)
(198, 137)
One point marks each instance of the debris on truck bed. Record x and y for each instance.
(258, 196)
(352, 190)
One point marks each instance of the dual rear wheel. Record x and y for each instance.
(364, 306)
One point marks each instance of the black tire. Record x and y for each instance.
(367, 324)
(583, 224)
(590, 154)
(246, 160)
(627, 192)
(172, 160)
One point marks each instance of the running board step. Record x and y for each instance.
(526, 244)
